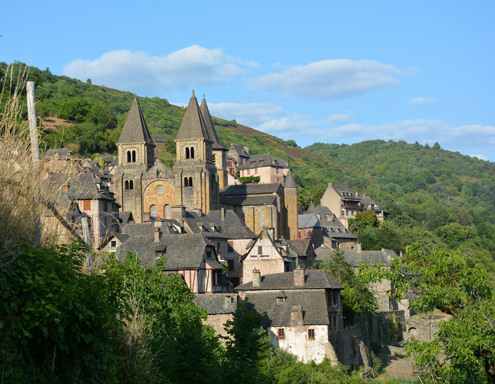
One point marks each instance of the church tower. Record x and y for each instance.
(218, 150)
(196, 174)
(136, 154)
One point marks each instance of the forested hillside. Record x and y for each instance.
(433, 196)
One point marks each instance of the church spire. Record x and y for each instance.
(135, 129)
(193, 125)
(209, 125)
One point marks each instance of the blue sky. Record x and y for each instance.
(315, 71)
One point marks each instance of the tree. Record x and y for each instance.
(245, 344)
(363, 220)
(463, 350)
(356, 296)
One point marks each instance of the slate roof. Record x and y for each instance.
(193, 125)
(289, 181)
(58, 152)
(250, 189)
(135, 129)
(313, 302)
(308, 221)
(180, 251)
(264, 160)
(313, 279)
(304, 245)
(217, 303)
(231, 225)
(355, 257)
(209, 125)
(239, 149)
(85, 187)
(246, 201)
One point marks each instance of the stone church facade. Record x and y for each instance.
(149, 189)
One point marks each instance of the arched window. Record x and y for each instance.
(192, 152)
(131, 184)
(153, 212)
(128, 153)
(126, 184)
(186, 182)
(262, 220)
(133, 156)
(166, 212)
(190, 181)
(187, 152)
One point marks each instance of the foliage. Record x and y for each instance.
(249, 179)
(58, 325)
(463, 349)
(245, 344)
(356, 296)
(362, 221)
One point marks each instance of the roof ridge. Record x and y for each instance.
(135, 128)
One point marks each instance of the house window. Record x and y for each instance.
(261, 220)
(87, 205)
(281, 333)
(113, 243)
(153, 211)
(260, 250)
(281, 299)
(299, 234)
(311, 334)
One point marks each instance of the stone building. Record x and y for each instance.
(268, 169)
(302, 311)
(149, 189)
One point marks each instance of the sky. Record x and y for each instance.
(315, 71)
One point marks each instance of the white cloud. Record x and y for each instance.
(338, 118)
(422, 100)
(289, 127)
(139, 71)
(250, 114)
(329, 79)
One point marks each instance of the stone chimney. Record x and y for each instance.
(256, 278)
(158, 231)
(298, 277)
(296, 316)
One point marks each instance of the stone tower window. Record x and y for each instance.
(129, 184)
(188, 182)
(131, 156)
(153, 211)
(187, 152)
(261, 220)
(167, 211)
(192, 152)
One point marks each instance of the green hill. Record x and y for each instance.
(433, 196)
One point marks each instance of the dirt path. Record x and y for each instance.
(397, 365)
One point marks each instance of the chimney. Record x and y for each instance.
(296, 316)
(222, 214)
(298, 277)
(178, 212)
(157, 233)
(256, 278)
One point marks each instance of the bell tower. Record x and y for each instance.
(196, 175)
(136, 154)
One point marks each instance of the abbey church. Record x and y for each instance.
(196, 183)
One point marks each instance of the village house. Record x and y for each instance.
(345, 204)
(189, 255)
(271, 256)
(268, 169)
(302, 311)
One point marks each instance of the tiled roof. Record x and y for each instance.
(313, 303)
(356, 257)
(313, 279)
(264, 160)
(135, 129)
(217, 303)
(250, 189)
(193, 125)
(308, 221)
(209, 125)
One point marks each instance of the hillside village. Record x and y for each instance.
(229, 240)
